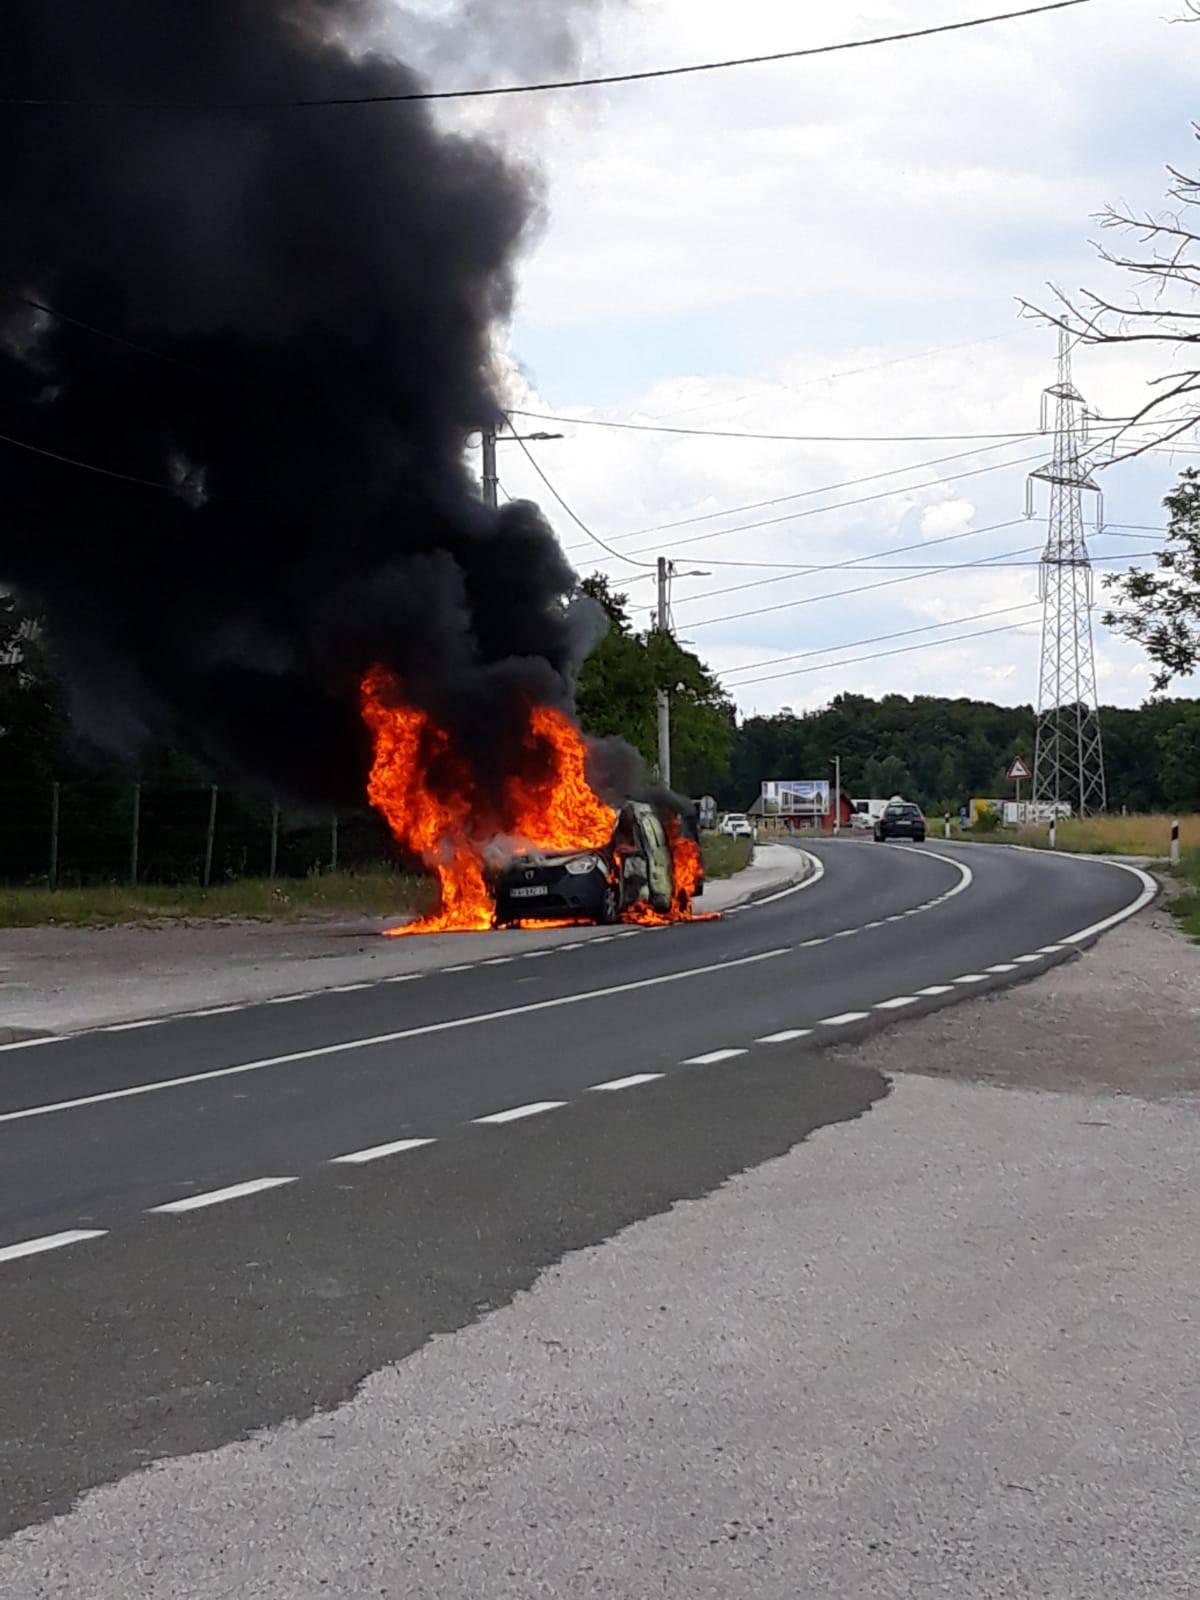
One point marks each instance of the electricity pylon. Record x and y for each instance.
(1068, 760)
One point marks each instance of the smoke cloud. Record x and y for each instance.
(313, 293)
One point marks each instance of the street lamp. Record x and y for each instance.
(491, 481)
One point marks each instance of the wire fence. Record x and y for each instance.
(95, 831)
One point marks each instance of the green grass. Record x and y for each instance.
(375, 892)
(1186, 904)
(723, 855)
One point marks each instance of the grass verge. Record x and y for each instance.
(1147, 834)
(725, 855)
(1186, 905)
(375, 892)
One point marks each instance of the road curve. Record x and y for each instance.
(213, 1222)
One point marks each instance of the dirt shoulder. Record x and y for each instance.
(59, 980)
(1123, 1019)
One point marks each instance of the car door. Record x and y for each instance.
(658, 856)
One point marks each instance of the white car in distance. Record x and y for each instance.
(736, 825)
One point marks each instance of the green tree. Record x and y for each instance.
(617, 694)
(1161, 608)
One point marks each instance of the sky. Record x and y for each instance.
(837, 247)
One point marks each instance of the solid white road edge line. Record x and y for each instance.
(625, 1083)
(50, 1241)
(216, 1197)
(358, 1158)
(388, 1038)
(534, 1109)
(814, 877)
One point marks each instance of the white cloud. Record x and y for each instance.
(835, 248)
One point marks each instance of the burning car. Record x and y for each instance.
(633, 876)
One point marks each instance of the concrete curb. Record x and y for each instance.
(804, 869)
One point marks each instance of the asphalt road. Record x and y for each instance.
(622, 1073)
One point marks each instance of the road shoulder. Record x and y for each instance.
(62, 980)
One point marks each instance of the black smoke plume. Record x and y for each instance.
(311, 293)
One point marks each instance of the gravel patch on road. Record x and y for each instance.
(948, 1349)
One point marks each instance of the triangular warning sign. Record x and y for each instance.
(1018, 770)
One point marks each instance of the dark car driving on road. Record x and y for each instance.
(592, 885)
(901, 820)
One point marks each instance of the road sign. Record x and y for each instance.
(1018, 771)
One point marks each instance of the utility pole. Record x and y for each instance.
(664, 698)
(491, 480)
(1068, 759)
(837, 794)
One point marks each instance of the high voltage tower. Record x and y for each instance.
(1068, 760)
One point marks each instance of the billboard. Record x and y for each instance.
(795, 797)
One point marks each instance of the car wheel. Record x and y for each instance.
(918, 838)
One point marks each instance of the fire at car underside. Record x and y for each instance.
(544, 849)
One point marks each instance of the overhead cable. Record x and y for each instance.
(777, 438)
(52, 102)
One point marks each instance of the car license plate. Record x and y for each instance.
(529, 894)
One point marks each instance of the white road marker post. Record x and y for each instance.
(947, 824)
(1175, 852)
(1053, 832)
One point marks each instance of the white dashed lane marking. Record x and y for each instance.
(49, 1241)
(626, 1083)
(515, 1113)
(842, 1019)
(1003, 966)
(217, 1197)
(1024, 960)
(937, 988)
(376, 1152)
(712, 1057)
(972, 977)
(895, 1005)
(785, 1037)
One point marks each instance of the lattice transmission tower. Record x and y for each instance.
(1068, 758)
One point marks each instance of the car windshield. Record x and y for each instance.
(903, 811)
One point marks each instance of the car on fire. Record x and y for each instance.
(635, 867)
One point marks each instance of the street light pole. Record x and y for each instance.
(664, 698)
(491, 480)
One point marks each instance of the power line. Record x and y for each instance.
(779, 438)
(51, 102)
(574, 516)
(104, 333)
(832, 594)
(805, 494)
(108, 472)
(878, 655)
(871, 563)
(842, 505)
(878, 638)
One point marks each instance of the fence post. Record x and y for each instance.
(274, 837)
(52, 877)
(133, 837)
(333, 845)
(212, 831)
(1175, 841)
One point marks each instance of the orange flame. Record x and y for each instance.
(430, 800)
